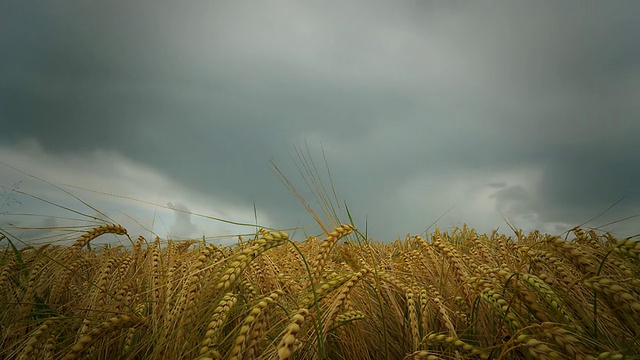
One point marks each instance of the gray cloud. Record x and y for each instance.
(403, 97)
(182, 226)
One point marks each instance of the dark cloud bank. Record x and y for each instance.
(526, 108)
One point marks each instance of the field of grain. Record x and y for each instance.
(453, 295)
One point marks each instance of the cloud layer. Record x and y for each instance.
(527, 111)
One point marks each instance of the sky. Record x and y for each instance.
(165, 116)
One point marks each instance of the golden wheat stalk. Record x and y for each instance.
(98, 231)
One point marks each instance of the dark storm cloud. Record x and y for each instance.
(402, 96)
(588, 182)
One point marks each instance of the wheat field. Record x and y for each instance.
(453, 295)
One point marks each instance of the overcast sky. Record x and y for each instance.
(528, 111)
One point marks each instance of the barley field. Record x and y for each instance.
(452, 295)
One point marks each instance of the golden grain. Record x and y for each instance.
(98, 231)
(325, 248)
(413, 320)
(461, 295)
